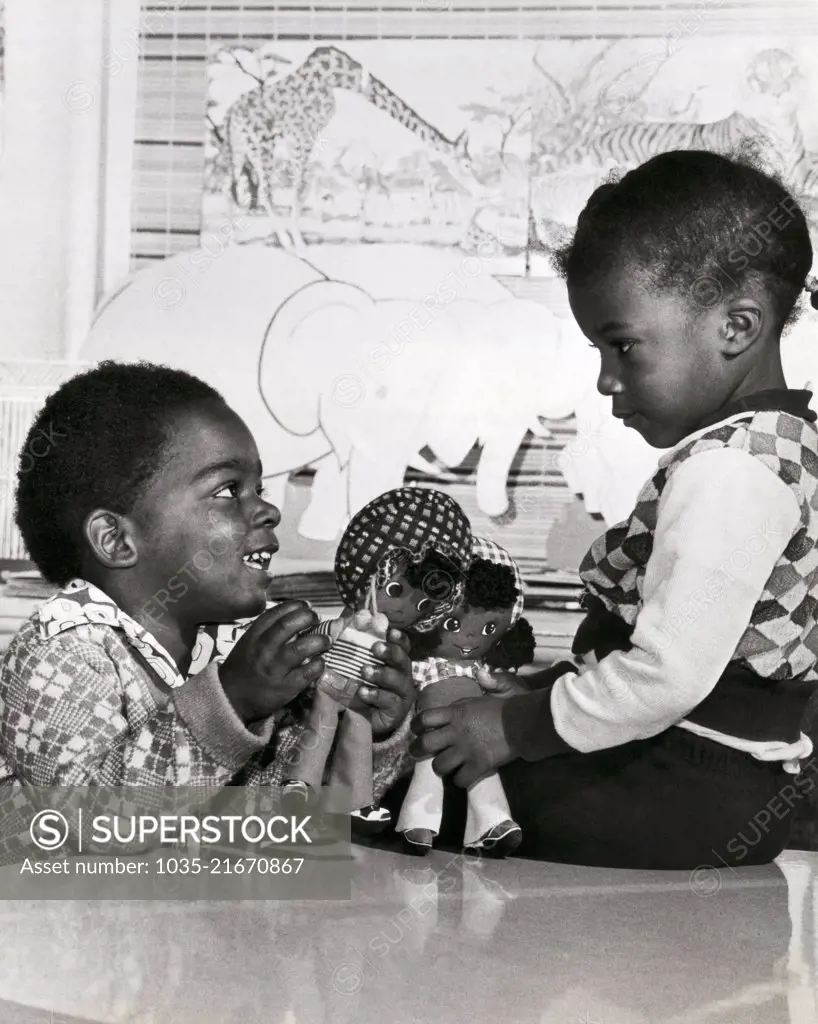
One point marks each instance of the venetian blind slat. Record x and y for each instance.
(437, 8)
(542, 23)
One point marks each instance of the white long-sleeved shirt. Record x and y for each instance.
(724, 519)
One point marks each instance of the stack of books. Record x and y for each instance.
(25, 583)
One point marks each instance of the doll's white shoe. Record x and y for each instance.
(369, 821)
(499, 841)
(417, 841)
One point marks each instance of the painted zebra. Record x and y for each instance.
(789, 152)
(781, 143)
(632, 144)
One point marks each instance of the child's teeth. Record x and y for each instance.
(258, 560)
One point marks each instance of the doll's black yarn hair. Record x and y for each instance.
(515, 648)
(435, 575)
(698, 223)
(491, 587)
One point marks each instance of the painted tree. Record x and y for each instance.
(218, 172)
(260, 64)
(510, 111)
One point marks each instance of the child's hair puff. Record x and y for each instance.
(107, 431)
(698, 222)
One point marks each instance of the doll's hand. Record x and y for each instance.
(499, 684)
(466, 739)
(391, 690)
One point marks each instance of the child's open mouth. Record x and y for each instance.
(260, 560)
(467, 650)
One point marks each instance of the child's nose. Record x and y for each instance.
(607, 383)
(268, 515)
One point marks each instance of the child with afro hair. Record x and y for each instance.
(160, 661)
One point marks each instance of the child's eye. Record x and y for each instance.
(394, 589)
(261, 491)
(452, 625)
(489, 629)
(424, 603)
(621, 347)
(229, 490)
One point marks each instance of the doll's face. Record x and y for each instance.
(468, 634)
(403, 604)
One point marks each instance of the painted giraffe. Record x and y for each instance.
(272, 130)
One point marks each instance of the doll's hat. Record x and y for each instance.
(399, 527)
(491, 552)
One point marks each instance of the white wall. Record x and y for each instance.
(64, 86)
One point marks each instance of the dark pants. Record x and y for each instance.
(672, 802)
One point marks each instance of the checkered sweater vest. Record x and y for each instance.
(764, 691)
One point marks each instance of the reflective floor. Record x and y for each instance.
(441, 940)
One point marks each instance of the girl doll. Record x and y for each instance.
(484, 631)
(400, 563)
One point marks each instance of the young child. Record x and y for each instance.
(485, 631)
(401, 560)
(148, 512)
(677, 740)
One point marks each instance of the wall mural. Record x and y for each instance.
(378, 219)
(450, 142)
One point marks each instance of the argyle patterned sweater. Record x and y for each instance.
(701, 605)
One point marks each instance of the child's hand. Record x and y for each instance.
(466, 739)
(390, 692)
(501, 684)
(265, 671)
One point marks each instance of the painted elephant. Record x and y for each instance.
(357, 361)
(606, 462)
(401, 378)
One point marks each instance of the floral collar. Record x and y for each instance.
(80, 603)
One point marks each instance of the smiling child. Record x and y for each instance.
(149, 514)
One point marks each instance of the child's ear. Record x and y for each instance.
(743, 323)
(109, 537)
